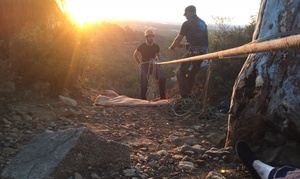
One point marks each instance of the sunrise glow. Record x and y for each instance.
(88, 11)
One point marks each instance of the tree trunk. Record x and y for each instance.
(266, 94)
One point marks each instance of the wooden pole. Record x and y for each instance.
(282, 43)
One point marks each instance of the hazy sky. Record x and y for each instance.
(164, 10)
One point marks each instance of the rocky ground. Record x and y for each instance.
(162, 144)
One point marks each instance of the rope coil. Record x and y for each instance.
(153, 87)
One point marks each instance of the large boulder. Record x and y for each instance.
(61, 154)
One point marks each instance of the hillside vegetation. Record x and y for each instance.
(41, 45)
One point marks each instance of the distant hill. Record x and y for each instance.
(163, 29)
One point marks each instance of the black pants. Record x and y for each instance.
(187, 72)
(284, 172)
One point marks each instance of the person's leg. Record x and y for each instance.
(144, 80)
(183, 84)
(182, 79)
(192, 74)
(284, 172)
(161, 83)
(247, 157)
(258, 169)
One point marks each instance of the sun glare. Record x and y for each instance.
(88, 11)
(85, 11)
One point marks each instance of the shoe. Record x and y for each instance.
(247, 157)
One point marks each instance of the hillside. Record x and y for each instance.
(163, 29)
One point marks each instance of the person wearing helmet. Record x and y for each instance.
(149, 50)
(195, 32)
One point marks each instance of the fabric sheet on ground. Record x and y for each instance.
(111, 98)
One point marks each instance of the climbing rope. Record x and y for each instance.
(184, 106)
(192, 105)
(207, 113)
(153, 87)
(279, 35)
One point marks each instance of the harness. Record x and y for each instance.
(187, 67)
(196, 50)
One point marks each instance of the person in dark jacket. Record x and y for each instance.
(195, 32)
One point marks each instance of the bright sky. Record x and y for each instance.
(163, 10)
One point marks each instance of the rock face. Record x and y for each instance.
(266, 94)
(57, 154)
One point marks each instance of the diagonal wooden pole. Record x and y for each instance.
(282, 43)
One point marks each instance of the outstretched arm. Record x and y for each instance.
(176, 42)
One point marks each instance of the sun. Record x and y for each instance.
(85, 11)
